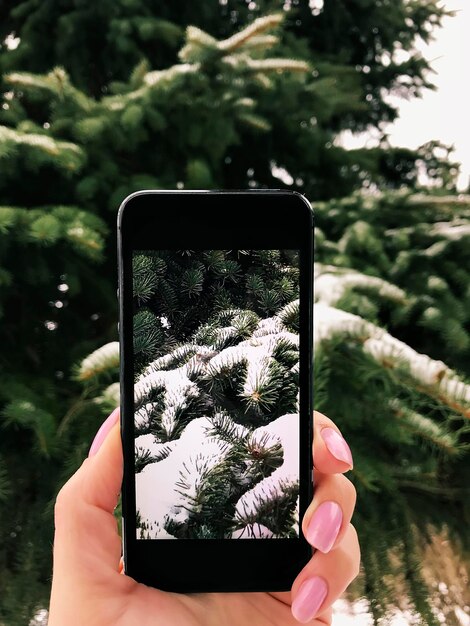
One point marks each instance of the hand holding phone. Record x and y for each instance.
(87, 587)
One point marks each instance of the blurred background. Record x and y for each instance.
(358, 105)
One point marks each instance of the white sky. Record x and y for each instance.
(443, 114)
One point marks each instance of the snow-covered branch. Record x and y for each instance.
(429, 376)
(332, 283)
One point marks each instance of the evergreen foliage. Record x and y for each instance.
(223, 402)
(358, 52)
(384, 264)
(101, 99)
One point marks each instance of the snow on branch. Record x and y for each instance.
(451, 230)
(431, 377)
(63, 154)
(450, 202)
(259, 25)
(100, 361)
(332, 283)
(275, 486)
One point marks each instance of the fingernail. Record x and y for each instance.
(101, 435)
(309, 599)
(337, 445)
(324, 526)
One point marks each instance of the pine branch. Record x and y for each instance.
(145, 456)
(145, 278)
(431, 377)
(104, 360)
(278, 65)
(246, 65)
(259, 25)
(56, 84)
(189, 354)
(26, 414)
(445, 492)
(440, 203)
(61, 154)
(289, 315)
(110, 396)
(254, 531)
(272, 501)
(147, 335)
(332, 283)
(425, 428)
(226, 429)
(261, 42)
(5, 483)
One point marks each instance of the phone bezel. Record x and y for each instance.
(266, 219)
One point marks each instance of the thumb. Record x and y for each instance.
(85, 527)
(103, 468)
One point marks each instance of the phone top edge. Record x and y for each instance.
(228, 192)
(213, 191)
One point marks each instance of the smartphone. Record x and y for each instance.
(216, 334)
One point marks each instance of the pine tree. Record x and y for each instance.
(351, 48)
(83, 123)
(80, 156)
(392, 306)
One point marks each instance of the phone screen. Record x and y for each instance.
(216, 393)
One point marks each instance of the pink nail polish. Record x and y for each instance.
(102, 433)
(337, 445)
(309, 599)
(324, 526)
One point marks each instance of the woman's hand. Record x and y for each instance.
(89, 590)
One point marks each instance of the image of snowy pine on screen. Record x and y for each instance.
(216, 352)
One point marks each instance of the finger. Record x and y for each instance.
(104, 466)
(327, 518)
(325, 578)
(86, 529)
(331, 453)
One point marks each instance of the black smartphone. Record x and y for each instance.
(216, 335)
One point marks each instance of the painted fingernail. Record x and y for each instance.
(324, 526)
(337, 445)
(309, 599)
(102, 433)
